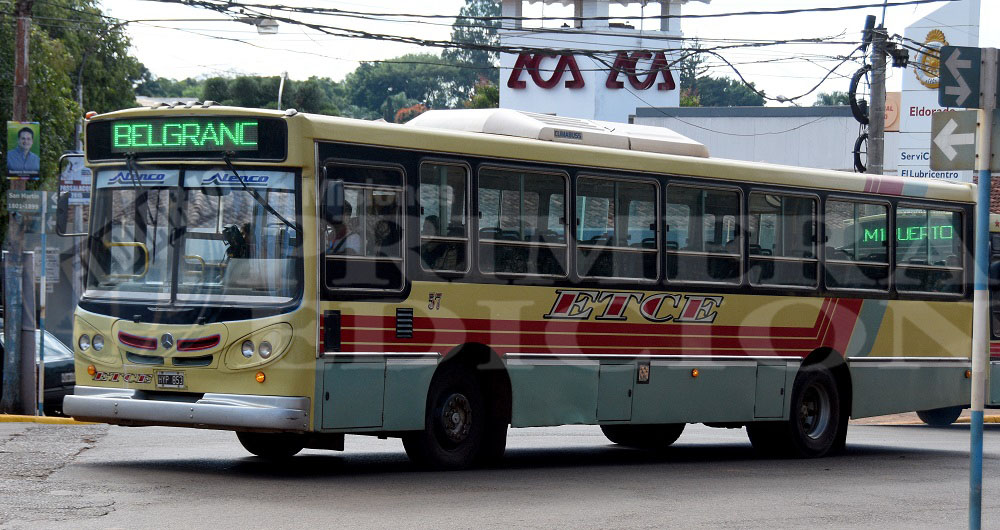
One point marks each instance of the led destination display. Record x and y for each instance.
(189, 137)
(184, 134)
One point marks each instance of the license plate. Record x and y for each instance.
(170, 379)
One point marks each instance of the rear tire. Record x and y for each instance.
(648, 437)
(815, 425)
(941, 417)
(272, 446)
(459, 431)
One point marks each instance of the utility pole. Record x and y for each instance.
(13, 376)
(876, 114)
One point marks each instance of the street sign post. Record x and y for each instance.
(960, 77)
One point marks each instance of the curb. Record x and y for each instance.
(962, 420)
(51, 420)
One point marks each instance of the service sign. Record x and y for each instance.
(123, 178)
(223, 178)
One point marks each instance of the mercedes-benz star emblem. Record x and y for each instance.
(167, 341)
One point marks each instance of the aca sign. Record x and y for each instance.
(653, 66)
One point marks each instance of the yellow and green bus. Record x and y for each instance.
(295, 278)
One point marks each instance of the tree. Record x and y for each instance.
(424, 78)
(833, 98)
(485, 95)
(215, 89)
(725, 92)
(98, 52)
(469, 28)
(698, 89)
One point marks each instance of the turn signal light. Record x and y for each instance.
(694, 372)
(968, 374)
(91, 370)
(260, 377)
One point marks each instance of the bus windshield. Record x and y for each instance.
(227, 249)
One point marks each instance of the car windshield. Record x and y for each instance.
(55, 350)
(224, 245)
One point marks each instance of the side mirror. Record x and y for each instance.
(63, 202)
(333, 202)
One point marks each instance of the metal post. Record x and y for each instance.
(28, 335)
(13, 377)
(41, 311)
(876, 114)
(980, 319)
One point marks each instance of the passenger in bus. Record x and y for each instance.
(341, 238)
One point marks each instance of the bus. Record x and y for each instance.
(296, 278)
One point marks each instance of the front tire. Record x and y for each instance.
(271, 446)
(813, 429)
(648, 437)
(459, 430)
(941, 417)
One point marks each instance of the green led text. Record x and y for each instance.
(181, 135)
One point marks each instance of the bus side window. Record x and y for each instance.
(444, 233)
(855, 250)
(616, 222)
(929, 251)
(522, 222)
(784, 228)
(703, 241)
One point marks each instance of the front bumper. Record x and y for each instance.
(121, 406)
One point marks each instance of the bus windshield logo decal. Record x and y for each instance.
(229, 179)
(573, 304)
(124, 177)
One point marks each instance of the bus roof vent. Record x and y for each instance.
(561, 129)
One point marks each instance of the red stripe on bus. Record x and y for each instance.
(551, 326)
(587, 341)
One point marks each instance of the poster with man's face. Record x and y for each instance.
(24, 149)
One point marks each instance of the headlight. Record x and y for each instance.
(84, 342)
(248, 349)
(98, 342)
(265, 350)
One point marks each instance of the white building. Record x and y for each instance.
(616, 67)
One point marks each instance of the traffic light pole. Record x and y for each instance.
(980, 319)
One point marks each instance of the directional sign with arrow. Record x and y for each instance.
(960, 73)
(953, 140)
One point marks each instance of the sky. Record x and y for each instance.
(178, 41)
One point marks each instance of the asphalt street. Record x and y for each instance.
(96, 476)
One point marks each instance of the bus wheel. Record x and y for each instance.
(455, 423)
(649, 437)
(815, 420)
(940, 417)
(270, 445)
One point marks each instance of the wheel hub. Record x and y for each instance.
(456, 417)
(814, 411)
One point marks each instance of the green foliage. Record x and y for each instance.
(425, 78)
(485, 95)
(833, 98)
(215, 89)
(467, 29)
(725, 92)
(698, 89)
(95, 47)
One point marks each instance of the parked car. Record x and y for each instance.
(59, 375)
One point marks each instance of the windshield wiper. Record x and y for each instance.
(260, 200)
(133, 173)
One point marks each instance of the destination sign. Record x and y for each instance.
(204, 137)
(184, 134)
